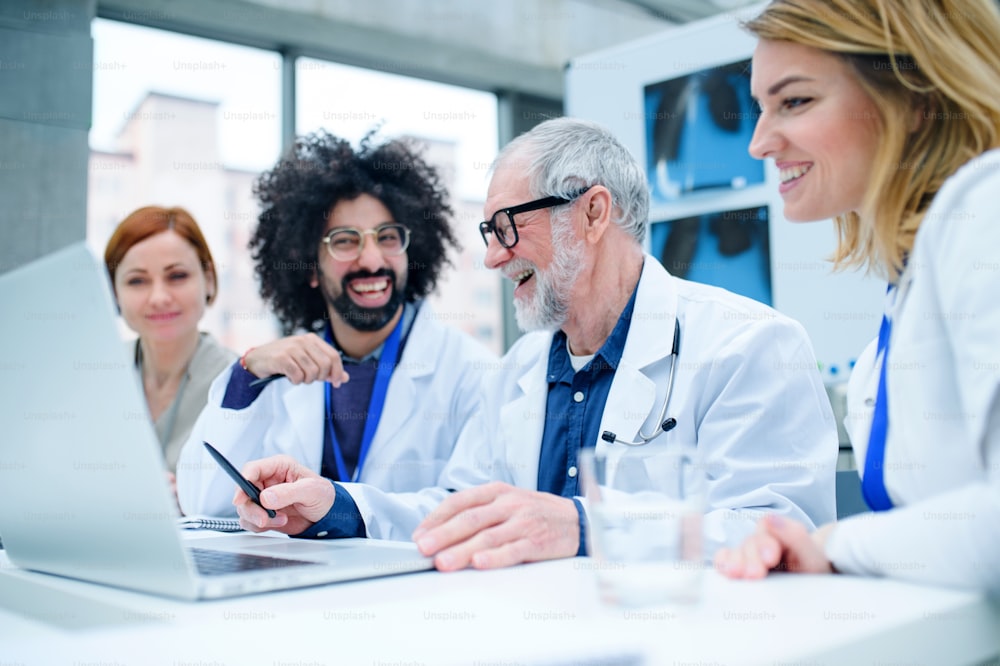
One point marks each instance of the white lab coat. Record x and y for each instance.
(942, 454)
(432, 393)
(747, 396)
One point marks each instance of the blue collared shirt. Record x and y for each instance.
(575, 405)
(574, 408)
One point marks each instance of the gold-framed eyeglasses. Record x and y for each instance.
(347, 243)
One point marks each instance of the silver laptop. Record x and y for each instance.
(83, 491)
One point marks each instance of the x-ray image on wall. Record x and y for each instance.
(728, 249)
(698, 128)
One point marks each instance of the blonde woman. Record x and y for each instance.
(885, 115)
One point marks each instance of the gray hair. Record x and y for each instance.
(563, 155)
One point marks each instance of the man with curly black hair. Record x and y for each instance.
(367, 385)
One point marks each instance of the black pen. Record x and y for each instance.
(252, 491)
(264, 380)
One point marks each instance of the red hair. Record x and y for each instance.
(152, 220)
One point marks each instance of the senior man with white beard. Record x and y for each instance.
(609, 326)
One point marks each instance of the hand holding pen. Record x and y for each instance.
(301, 358)
(300, 495)
(247, 487)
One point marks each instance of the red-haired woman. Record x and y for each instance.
(164, 277)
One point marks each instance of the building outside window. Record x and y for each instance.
(191, 122)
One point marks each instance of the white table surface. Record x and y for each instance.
(545, 613)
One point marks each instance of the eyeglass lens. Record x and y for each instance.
(503, 228)
(346, 244)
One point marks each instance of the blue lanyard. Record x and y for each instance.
(383, 373)
(873, 483)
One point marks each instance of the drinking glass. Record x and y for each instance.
(645, 507)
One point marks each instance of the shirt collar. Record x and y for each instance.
(409, 314)
(607, 357)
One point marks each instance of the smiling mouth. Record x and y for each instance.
(789, 174)
(370, 289)
(522, 277)
(163, 316)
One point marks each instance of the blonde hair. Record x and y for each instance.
(934, 64)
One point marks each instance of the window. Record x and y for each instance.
(183, 121)
(459, 127)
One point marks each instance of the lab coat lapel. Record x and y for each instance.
(419, 359)
(304, 409)
(522, 421)
(633, 397)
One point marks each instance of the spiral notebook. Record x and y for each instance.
(209, 523)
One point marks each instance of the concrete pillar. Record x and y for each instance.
(46, 81)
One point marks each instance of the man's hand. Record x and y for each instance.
(301, 358)
(298, 495)
(498, 525)
(779, 544)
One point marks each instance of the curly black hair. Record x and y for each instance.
(297, 194)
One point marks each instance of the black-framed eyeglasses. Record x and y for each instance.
(502, 224)
(347, 243)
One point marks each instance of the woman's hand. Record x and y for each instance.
(778, 545)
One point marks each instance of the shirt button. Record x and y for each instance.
(870, 402)
(578, 396)
(322, 534)
(572, 472)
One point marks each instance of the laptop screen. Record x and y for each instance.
(83, 491)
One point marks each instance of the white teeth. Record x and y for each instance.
(518, 278)
(791, 173)
(366, 287)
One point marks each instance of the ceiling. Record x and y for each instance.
(515, 45)
(684, 11)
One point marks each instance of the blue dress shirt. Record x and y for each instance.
(573, 412)
(575, 405)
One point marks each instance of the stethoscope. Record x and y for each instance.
(661, 425)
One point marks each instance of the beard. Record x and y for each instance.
(549, 305)
(357, 316)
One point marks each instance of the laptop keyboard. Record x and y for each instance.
(220, 562)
